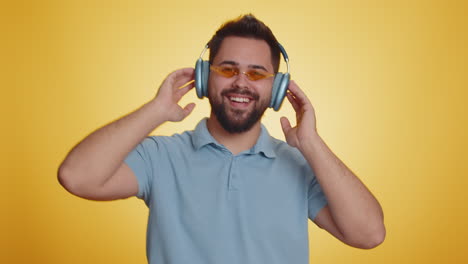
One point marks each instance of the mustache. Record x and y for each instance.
(241, 91)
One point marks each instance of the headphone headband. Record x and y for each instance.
(203, 51)
(285, 55)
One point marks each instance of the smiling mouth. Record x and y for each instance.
(239, 99)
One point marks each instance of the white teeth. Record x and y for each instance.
(240, 99)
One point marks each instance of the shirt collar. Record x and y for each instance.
(264, 145)
(201, 135)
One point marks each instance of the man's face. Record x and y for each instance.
(237, 102)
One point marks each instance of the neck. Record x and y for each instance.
(234, 142)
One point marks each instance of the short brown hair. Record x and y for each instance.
(250, 27)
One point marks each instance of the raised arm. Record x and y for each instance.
(353, 215)
(94, 168)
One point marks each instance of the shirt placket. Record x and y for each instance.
(233, 178)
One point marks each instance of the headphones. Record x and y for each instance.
(280, 84)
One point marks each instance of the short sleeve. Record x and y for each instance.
(140, 160)
(316, 198)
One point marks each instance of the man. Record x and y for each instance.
(227, 192)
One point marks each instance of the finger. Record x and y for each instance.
(180, 77)
(182, 82)
(298, 93)
(293, 101)
(184, 72)
(185, 88)
(285, 125)
(188, 109)
(186, 84)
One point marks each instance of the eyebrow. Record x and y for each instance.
(252, 66)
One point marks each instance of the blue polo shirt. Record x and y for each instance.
(208, 206)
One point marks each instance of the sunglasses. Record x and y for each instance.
(230, 71)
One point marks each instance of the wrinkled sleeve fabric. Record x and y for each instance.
(142, 161)
(316, 198)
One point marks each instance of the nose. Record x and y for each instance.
(241, 80)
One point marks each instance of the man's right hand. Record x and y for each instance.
(170, 93)
(95, 168)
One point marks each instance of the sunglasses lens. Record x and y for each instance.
(255, 75)
(227, 71)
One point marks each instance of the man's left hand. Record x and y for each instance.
(305, 127)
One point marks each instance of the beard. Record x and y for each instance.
(237, 120)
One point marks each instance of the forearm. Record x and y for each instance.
(94, 160)
(354, 209)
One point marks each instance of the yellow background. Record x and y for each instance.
(387, 79)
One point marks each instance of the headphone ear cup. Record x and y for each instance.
(205, 76)
(198, 78)
(280, 86)
(202, 70)
(274, 90)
